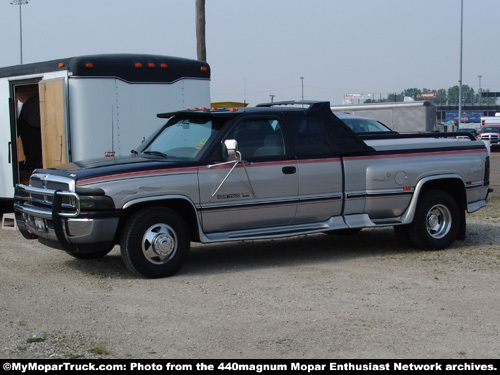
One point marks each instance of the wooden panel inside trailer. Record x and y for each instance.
(52, 114)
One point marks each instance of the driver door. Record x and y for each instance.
(260, 191)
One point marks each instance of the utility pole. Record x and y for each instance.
(201, 47)
(20, 3)
(302, 79)
(460, 75)
(479, 91)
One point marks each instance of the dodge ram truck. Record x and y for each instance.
(274, 170)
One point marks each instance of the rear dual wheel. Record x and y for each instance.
(436, 223)
(155, 242)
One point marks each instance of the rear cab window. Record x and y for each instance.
(309, 136)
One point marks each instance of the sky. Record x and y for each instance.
(260, 48)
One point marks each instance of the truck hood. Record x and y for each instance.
(91, 168)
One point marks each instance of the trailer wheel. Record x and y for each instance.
(155, 242)
(437, 221)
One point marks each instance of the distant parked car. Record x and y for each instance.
(363, 124)
(473, 131)
(492, 134)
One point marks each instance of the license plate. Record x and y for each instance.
(40, 225)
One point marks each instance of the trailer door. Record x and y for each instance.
(53, 121)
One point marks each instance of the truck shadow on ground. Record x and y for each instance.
(206, 259)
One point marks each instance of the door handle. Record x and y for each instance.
(289, 170)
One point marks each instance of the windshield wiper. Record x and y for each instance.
(156, 153)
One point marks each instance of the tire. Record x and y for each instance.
(155, 242)
(403, 235)
(92, 251)
(437, 221)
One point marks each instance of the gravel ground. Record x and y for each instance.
(316, 296)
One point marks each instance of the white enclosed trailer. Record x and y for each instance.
(407, 117)
(490, 120)
(86, 107)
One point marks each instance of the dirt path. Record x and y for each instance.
(314, 296)
(317, 296)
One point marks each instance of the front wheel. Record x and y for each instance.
(155, 242)
(437, 221)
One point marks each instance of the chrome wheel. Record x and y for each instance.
(159, 243)
(155, 242)
(438, 221)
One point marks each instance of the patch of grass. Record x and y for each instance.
(63, 345)
(100, 350)
(282, 341)
(34, 339)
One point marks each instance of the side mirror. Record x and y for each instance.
(232, 156)
(230, 150)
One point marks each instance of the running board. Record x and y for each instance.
(334, 223)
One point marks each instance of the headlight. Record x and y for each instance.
(96, 203)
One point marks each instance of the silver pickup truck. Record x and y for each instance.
(253, 173)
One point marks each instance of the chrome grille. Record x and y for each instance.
(51, 183)
(493, 138)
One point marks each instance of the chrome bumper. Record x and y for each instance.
(63, 224)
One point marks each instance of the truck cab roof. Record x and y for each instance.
(289, 107)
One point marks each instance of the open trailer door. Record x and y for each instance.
(53, 122)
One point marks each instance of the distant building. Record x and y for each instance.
(470, 113)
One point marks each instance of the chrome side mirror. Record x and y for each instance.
(230, 150)
(232, 156)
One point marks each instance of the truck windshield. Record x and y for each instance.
(181, 138)
(491, 129)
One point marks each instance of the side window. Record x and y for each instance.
(259, 138)
(309, 136)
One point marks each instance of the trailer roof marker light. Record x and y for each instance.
(138, 65)
(204, 68)
(89, 65)
(163, 65)
(61, 65)
(151, 65)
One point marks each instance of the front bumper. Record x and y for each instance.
(69, 227)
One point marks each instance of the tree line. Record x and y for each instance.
(443, 96)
